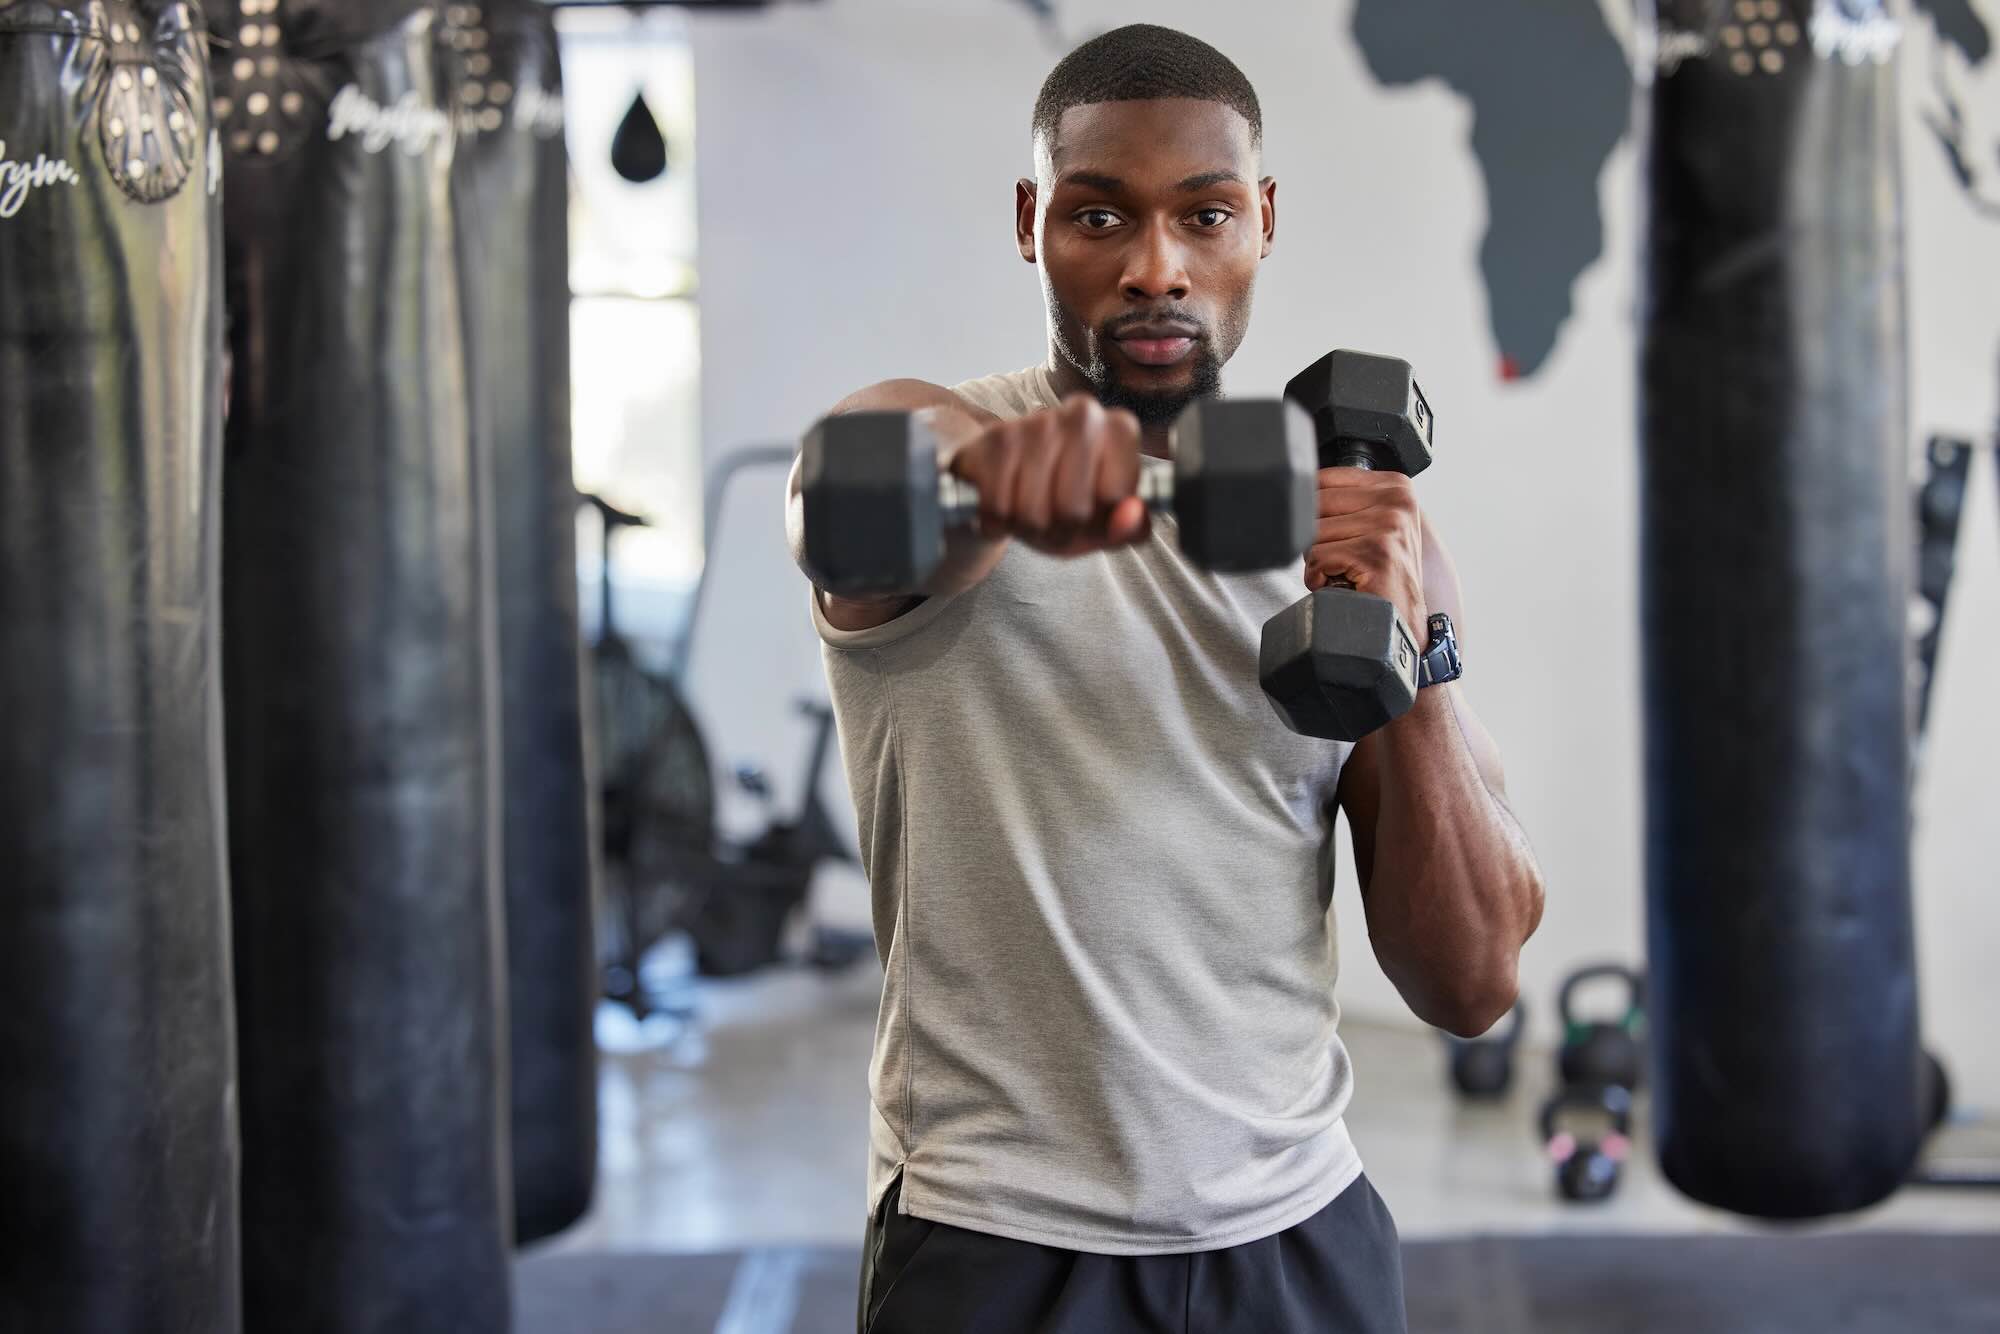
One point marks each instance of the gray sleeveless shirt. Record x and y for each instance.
(1101, 879)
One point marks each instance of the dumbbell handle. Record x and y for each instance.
(1367, 455)
(958, 499)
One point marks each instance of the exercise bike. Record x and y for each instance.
(667, 869)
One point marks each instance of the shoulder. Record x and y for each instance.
(898, 396)
(1014, 394)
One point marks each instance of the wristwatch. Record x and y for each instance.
(1440, 662)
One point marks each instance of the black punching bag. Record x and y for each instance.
(513, 205)
(1775, 577)
(368, 945)
(118, 1148)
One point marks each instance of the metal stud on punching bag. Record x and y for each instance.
(512, 179)
(1775, 581)
(367, 910)
(118, 1144)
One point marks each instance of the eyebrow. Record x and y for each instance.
(1097, 180)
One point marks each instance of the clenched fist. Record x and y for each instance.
(1064, 479)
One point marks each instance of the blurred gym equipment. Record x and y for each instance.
(1483, 1067)
(638, 149)
(118, 1137)
(511, 174)
(1586, 1130)
(358, 649)
(668, 867)
(1774, 558)
(1598, 1051)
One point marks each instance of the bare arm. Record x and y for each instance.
(1448, 883)
(968, 558)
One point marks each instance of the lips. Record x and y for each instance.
(1156, 344)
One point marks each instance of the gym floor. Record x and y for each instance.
(746, 1130)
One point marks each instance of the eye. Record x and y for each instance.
(1209, 218)
(1097, 219)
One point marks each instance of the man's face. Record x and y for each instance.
(1147, 221)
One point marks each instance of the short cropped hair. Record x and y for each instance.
(1140, 61)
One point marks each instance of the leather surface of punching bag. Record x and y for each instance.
(367, 914)
(118, 1150)
(512, 177)
(1775, 580)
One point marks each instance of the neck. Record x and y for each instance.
(1066, 379)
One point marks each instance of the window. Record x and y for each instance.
(635, 327)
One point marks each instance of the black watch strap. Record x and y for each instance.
(1440, 662)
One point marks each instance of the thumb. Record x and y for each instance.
(1127, 521)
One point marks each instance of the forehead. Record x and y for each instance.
(1162, 138)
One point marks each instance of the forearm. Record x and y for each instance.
(1453, 890)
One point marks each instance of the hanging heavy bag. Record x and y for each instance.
(1774, 556)
(362, 842)
(118, 1144)
(512, 182)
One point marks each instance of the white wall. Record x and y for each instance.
(859, 159)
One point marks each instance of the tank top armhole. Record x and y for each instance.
(876, 636)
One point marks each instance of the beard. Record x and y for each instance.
(1153, 407)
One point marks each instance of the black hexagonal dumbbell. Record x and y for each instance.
(877, 506)
(1340, 663)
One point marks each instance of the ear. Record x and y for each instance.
(1267, 190)
(1025, 195)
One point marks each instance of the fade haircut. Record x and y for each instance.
(1141, 61)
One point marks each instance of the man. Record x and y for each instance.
(1107, 1088)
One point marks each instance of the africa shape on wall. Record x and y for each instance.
(1540, 156)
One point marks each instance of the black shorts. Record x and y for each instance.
(1338, 1272)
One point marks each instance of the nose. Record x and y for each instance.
(1155, 267)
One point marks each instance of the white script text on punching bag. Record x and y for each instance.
(18, 178)
(411, 124)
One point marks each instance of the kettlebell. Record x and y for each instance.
(1483, 1067)
(1599, 1052)
(1587, 1163)
(1934, 1088)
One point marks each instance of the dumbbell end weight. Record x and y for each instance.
(1338, 664)
(1358, 399)
(873, 522)
(1246, 484)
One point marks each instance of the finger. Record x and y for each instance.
(1035, 460)
(1118, 460)
(1123, 524)
(1358, 560)
(1073, 491)
(1348, 490)
(990, 465)
(1129, 522)
(1369, 525)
